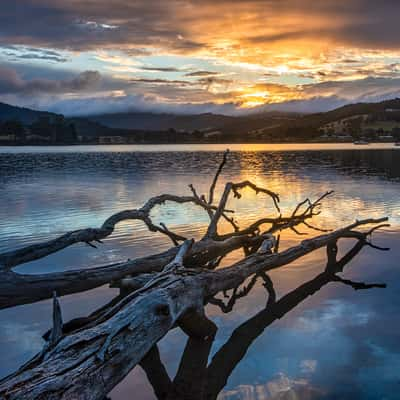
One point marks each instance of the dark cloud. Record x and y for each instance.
(12, 83)
(236, 34)
(310, 105)
(185, 25)
(368, 89)
(138, 102)
(202, 73)
(77, 25)
(209, 81)
(350, 61)
(159, 80)
(160, 69)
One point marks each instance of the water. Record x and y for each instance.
(337, 344)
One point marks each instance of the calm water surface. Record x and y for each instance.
(337, 344)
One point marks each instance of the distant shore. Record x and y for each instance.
(7, 144)
(197, 147)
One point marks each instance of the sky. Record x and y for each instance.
(82, 57)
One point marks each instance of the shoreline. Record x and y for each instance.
(195, 143)
(196, 147)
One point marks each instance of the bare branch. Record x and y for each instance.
(11, 259)
(235, 188)
(217, 174)
(238, 293)
(201, 199)
(56, 332)
(358, 285)
(267, 245)
(18, 288)
(172, 235)
(177, 262)
(280, 223)
(94, 354)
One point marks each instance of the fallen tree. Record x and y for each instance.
(86, 358)
(198, 379)
(17, 288)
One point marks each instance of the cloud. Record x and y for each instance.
(186, 26)
(12, 83)
(202, 73)
(91, 92)
(248, 53)
(306, 106)
(160, 81)
(76, 25)
(138, 103)
(160, 69)
(368, 89)
(32, 53)
(212, 83)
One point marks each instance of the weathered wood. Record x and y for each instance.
(17, 289)
(88, 363)
(196, 379)
(87, 357)
(81, 367)
(11, 259)
(56, 331)
(212, 230)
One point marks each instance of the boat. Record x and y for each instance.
(360, 142)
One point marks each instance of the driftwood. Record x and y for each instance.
(17, 288)
(86, 358)
(199, 380)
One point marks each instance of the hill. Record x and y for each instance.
(21, 114)
(157, 122)
(20, 125)
(372, 121)
(368, 120)
(344, 123)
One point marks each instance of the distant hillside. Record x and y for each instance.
(27, 117)
(157, 122)
(351, 110)
(24, 115)
(371, 121)
(92, 129)
(356, 120)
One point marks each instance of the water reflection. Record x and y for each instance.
(198, 378)
(335, 345)
(83, 189)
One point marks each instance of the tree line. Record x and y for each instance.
(45, 130)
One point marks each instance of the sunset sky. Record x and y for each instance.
(88, 56)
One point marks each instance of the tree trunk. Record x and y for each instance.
(88, 363)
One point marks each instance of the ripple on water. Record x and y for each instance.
(43, 195)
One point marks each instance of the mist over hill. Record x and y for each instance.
(349, 122)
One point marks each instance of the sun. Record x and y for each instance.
(254, 99)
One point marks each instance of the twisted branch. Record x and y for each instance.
(11, 259)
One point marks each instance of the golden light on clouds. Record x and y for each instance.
(240, 54)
